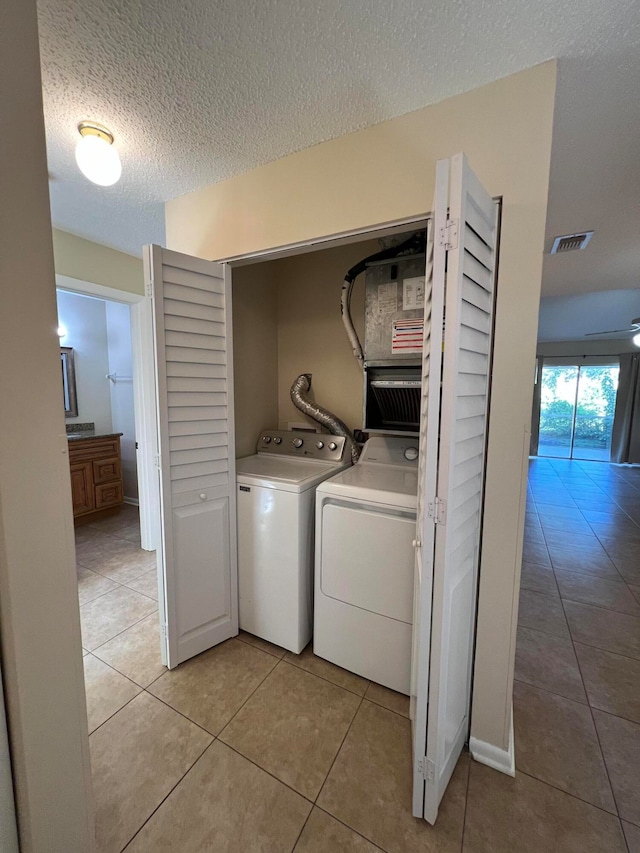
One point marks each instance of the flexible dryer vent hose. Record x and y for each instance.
(299, 392)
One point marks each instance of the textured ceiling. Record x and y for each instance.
(199, 90)
(570, 318)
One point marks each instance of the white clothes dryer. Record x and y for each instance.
(275, 507)
(364, 563)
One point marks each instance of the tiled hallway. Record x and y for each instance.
(247, 748)
(577, 691)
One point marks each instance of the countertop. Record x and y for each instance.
(90, 433)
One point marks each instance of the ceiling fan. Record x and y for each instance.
(633, 329)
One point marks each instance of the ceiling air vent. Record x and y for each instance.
(571, 242)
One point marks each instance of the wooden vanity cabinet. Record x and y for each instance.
(96, 477)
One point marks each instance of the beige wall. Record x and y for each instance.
(311, 336)
(39, 618)
(85, 260)
(255, 353)
(384, 173)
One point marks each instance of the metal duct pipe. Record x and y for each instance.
(299, 391)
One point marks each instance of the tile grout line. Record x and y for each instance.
(128, 702)
(239, 636)
(165, 798)
(598, 606)
(121, 585)
(118, 583)
(120, 633)
(593, 721)
(553, 692)
(269, 773)
(342, 823)
(570, 794)
(182, 714)
(339, 750)
(306, 821)
(328, 681)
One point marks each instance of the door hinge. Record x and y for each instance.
(149, 288)
(448, 237)
(163, 631)
(156, 461)
(426, 769)
(437, 510)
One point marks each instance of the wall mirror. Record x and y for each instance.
(69, 382)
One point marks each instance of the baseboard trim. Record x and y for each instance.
(503, 760)
(132, 501)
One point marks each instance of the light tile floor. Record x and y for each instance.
(250, 748)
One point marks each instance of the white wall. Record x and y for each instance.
(122, 413)
(39, 614)
(86, 323)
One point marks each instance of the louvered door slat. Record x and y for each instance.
(192, 316)
(196, 369)
(182, 293)
(187, 355)
(195, 340)
(195, 383)
(183, 308)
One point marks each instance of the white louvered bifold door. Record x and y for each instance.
(427, 472)
(469, 304)
(193, 349)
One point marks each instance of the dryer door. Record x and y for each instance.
(360, 546)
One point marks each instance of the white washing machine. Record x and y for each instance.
(364, 563)
(275, 505)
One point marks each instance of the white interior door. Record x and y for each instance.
(427, 478)
(454, 498)
(197, 556)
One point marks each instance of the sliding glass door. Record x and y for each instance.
(577, 405)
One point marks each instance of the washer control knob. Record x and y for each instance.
(333, 445)
(411, 454)
(277, 440)
(298, 442)
(319, 444)
(266, 439)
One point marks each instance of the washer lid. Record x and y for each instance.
(388, 484)
(277, 472)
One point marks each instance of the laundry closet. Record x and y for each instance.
(371, 382)
(232, 338)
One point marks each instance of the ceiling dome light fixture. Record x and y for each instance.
(96, 155)
(636, 339)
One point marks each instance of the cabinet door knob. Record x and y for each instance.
(416, 543)
(203, 496)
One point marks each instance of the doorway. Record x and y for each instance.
(577, 406)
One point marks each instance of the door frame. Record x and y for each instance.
(144, 401)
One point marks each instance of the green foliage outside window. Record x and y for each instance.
(595, 408)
